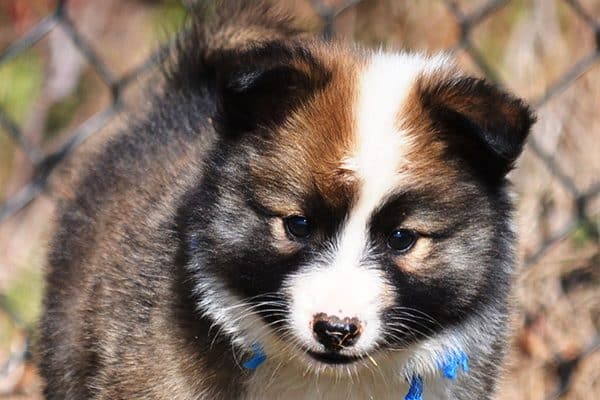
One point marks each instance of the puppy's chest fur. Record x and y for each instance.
(274, 381)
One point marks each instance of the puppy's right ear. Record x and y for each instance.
(258, 87)
(482, 124)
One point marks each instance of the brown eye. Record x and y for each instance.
(298, 226)
(402, 240)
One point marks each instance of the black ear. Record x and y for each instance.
(481, 124)
(260, 86)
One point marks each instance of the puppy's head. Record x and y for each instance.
(355, 202)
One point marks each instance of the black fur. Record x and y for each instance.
(482, 124)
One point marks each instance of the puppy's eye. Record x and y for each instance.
(298, 226)
(402, 240)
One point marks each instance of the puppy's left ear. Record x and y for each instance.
(481, 124)
(261, 85)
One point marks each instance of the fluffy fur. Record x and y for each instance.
(174, 255)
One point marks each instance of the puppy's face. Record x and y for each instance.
(355, 203)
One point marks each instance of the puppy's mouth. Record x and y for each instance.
(333, 358)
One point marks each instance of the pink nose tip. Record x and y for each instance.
(335, 333)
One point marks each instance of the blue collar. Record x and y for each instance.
(449, 366)
(258, 357)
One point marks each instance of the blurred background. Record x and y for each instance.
(72, 72)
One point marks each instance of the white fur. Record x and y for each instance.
(229, 313)
(278, 378)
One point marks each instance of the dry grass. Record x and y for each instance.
(529, 43)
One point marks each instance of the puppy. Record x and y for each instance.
(293, 219)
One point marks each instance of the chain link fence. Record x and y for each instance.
(41, 164)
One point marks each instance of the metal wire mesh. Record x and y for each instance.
(45, 163)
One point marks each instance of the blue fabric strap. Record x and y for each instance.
(258, 357)
(452, 364)
(449, 366)
(416, 389)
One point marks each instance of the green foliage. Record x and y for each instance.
(489, 36)
(22, 300)
(23, 296)
(169, 17)
(21, 80)
(588, 231)
(62, 112)
(7, 331)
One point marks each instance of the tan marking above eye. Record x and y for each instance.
(281, 241)
(412, 260)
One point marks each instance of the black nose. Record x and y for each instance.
(335, 333)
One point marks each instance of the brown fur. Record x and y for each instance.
(317, 137)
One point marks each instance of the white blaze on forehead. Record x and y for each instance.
(380, 145)
(343, 283)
